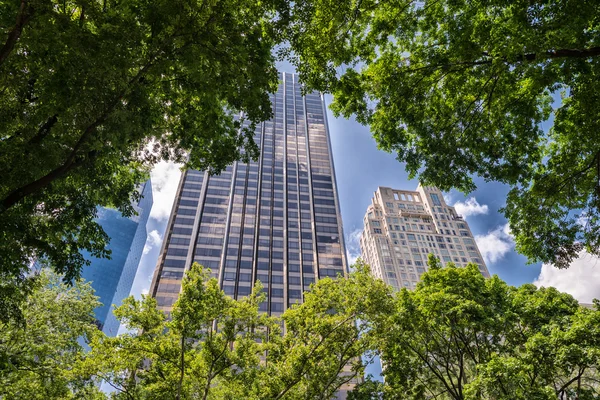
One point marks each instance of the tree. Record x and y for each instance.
(458, 89)
(94, 92)
(214, 347)
(461, 336)
(39, 352)
(326, 337)
(458, 336)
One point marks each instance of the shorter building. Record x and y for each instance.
(112, 278)
(401, 229)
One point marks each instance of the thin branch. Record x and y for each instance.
(44, 130)
(182, 366)
(566, 385)
(341, 364)
(550, 54)
(434, 370)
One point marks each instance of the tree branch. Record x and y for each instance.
(577, 377)
(550, 54)
(210, 375)
(23, 18)
(434, 370)
(44, 130)
(342, 362)
(74, 159)
(313, 350)
(182, 366)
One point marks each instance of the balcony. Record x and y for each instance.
(414, 213)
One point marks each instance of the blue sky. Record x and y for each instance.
(360, 168)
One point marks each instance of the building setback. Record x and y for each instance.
(112, 278)
(276, 220)
(403, 227)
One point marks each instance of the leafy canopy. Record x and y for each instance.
(460, 336)
(38, 354)
(214, 347)
(459, 88)
(94, 92)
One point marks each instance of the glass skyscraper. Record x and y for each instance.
(276, 220)
(112, 278)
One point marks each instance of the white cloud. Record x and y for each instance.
(495, 244)
(470, 207)
(153, 239)
(165, 179)
(581, 280)
(583, 220)
(353, 245)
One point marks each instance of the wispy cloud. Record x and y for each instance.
(495, 244)
(470, 207)
(154, 239)
(353, 245)
(581, 280)
(165, 179)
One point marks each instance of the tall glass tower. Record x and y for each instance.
(134, 256)
(112, 278)
(276, 220)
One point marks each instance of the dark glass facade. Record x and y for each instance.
(112, 278)
(104, 273)
(276, 220)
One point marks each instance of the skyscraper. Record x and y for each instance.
(112, 278)
(276, 220)
(403, 227)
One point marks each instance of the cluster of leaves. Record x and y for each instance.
(94, 92)
(458, 336)
(214, 347)
(39, 353)
(461, 336)
(459, 88)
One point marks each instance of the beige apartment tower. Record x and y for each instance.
(402, 227)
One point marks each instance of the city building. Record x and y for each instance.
(402, 227)
(112, 278)
(276, 220)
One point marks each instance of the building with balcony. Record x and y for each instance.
(402, 227)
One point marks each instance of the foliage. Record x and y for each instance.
(214, 347)
(458, 336)
(326, 336)
(94, 92)
(461, 336)
(459, 88)
(38, 353)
